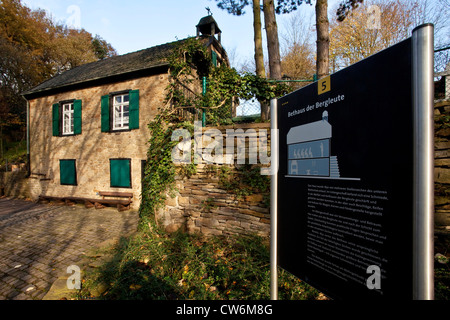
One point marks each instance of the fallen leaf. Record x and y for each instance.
(441, 258)
(212, 288)
(182, 283)
(30, 288)
(135, 287)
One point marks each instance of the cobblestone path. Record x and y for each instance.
(38, 242)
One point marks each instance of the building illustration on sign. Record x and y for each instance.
(309, 150)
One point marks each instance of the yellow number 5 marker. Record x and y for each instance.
(324, 85)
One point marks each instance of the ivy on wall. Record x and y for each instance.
(246, 181)
(189, 63)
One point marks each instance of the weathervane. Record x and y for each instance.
(209, 11)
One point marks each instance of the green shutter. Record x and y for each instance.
(68, 173)
(134, 109)
(55, 118)
(214, 58)
(105, 114)
(120, 173)
(77, 116)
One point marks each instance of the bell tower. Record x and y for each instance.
(207, 26)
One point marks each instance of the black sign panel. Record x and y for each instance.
(345, 181)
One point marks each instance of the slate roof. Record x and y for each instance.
(114, 66)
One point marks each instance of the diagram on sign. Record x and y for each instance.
(309, 151)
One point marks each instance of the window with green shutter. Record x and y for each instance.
(67, 118)
(120, 111)
(134, 109)
(68, 172)
(77, 123)
(105, 114)
(55, 118)
(120, 173)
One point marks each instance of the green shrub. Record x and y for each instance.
(158, 266)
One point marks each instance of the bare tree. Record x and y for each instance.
(366, 31)
(297, 50)
(297, 29)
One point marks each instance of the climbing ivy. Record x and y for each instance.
(191, 61)
(244, 181)
(188, 64)
(160, 172)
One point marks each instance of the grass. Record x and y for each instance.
(159, 266)
(155, 265)
(442, 268)
(442, 283)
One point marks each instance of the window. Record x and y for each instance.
(66, 117)
(120, 173)
(120, 111)
(68, 172)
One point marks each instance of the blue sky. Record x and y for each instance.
(137, 24)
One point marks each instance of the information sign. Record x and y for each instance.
(345, 179)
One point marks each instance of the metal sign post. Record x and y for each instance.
(423, 94)
(274, 201)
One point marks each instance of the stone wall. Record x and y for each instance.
(202, 205)
(442, 165)
(15, 184)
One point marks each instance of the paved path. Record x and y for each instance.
(38, 242)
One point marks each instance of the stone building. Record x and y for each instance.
(88, 126)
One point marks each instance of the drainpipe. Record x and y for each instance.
(28, 138)
(204, 110)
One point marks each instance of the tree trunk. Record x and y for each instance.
(273, 45)
(323, 39)
(259, 55)
(1, 142)
(257, 27)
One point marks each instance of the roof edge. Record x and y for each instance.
(138, 73)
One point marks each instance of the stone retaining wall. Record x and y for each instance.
(17, 185)
(201, 205)
(442, 165)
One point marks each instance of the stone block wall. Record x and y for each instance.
(442, 165)
(202, 205)
(15, 184)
